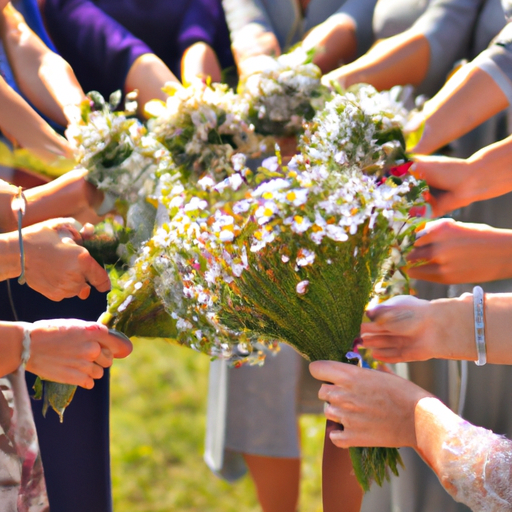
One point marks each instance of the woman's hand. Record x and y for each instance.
(71, 195)
(405, 328)
(455, 182)
(335, 40)
(451, 182)
(251, 44)
(441, 253)
(56, 265)
(73, 351)
(375, 408)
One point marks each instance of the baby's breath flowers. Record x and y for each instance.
(121, 157)
(283, 93)
(203, 126)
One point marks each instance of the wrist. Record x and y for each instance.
(453, 320)
(433, 422)
(11, 343)
(10, 251)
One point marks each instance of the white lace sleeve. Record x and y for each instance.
(476, 468)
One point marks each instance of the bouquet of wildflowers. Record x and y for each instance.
(284, 93)
(203, 126)
(287, 253)
(121, 157)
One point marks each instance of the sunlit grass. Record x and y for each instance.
(158, 422)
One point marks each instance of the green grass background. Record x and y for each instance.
(157, 427)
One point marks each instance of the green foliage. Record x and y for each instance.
(21, 158)
(323, 322)
(55, 395)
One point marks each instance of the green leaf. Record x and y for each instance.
(115, 99)
(54, 395)
(413, 138)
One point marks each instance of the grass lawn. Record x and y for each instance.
(157, 424)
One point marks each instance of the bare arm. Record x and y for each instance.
(200, 61)
(380, 409)
(441, 253)
(335, 41)
(56, 265)
(43, 76)
(399, 60)
(68, 196)
(29, 130)
(148, 74)
(409, 329)
(456, 182)
(469, 98)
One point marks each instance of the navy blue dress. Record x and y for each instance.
(75, 454)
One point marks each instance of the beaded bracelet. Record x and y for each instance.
(25, 354)
(479, 317)
(19, 206)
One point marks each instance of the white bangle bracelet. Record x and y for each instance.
(479, 317)
(25, 354)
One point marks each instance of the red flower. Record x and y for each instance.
(400, 170)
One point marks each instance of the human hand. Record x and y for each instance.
(56, 265)
(441, 253)
(71, 195)
(375, 408)
(73, 352)
(253, 43)
(334, 42)
(453, 182)
(406, 328)
(337, 76)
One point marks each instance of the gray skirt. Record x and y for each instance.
(255, 410)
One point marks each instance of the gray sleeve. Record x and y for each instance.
(448, 26)
(497, 61)
(361, 12)
(240, 13)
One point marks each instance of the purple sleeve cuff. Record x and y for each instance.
(200, 23)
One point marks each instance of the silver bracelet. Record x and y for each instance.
(27, 340)
(479, 316)
(19, 206)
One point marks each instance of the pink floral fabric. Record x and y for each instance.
(22, 485)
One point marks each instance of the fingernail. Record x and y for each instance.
(118, 334)
(336, 435)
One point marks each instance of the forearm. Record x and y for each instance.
(334, 40)
(472, 463)
(469, 98)
(454, 336)
(498, 158)
(200, 61)
(10, 263)
(148, 74)
(398, 60)
(20, 122)
(11, 337)
(67, 196)
(44, 77)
